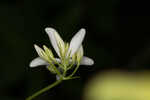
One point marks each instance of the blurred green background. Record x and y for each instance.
(117, 38)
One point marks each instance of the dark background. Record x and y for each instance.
(117, 38)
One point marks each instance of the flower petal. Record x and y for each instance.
(58, 60)
(86, 61)
(38, 49)
(76, 42)
(80, 51)
(55, 39)
(37, 62)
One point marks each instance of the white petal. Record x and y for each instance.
(37, 62)
(55, 39)
(38, 49)
(80, 51)
(58, 60)
(86, 61)
(76, 41)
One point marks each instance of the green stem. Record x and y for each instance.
(70, 66)
(75, 70)
(44, 90)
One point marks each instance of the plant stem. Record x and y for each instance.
(74, 70)
(44, 90)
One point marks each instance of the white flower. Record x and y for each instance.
(68, 53)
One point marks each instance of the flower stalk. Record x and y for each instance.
(44, 89)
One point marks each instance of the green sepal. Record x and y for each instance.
(51, 69)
